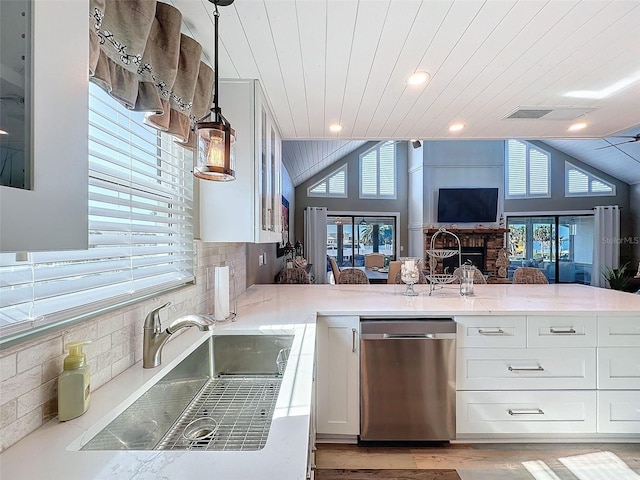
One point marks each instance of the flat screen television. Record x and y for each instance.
(467, 205)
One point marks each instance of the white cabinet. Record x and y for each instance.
(248, 209)
(492, 331)
(526, 369)
(619, 412)
(619, 368)
(338, 383)
(522, 413)
(561, 331)
(54, 214)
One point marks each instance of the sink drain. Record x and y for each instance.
(200, 429)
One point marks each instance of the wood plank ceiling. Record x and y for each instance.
(347, 61)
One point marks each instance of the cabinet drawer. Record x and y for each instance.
(526, 412)
(559, 331)
(526, 369)
(503, 331)
(619, 368)
(619, 412)
(619, 331)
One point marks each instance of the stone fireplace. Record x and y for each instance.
(481, 245)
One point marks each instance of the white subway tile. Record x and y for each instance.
(20, 384)
(39, 353)
(8, 412)
(37, 397)
(109, 324)
(19, 429)
(8, 366)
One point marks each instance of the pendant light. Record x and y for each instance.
(216, 140)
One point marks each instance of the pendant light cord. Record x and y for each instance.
(216, 109)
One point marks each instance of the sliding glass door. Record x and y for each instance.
(560, 246)
(350, 238)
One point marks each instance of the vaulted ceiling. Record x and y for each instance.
(347, 61)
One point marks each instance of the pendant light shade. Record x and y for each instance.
(216, 157)
(216, 140)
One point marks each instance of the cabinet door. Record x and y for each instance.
(54, 215)
(619, 412)
(526, 413)
(526, 369)
(492, 331)
(619, 368)
(338, 382)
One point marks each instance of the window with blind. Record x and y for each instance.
(526, 170)
(140, 228)
(580, 183)
(378, 171)
(333, 185)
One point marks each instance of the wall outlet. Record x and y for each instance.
(261, 260)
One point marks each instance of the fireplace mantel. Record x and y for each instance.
(491, 239)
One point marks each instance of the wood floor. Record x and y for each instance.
(480, 462)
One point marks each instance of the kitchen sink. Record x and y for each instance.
(220, 397)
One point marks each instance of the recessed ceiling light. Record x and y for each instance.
(577, 126)
(418, 78)
(335, 127)
(456, 127)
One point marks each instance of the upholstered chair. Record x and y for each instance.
(334, 269)
(293, 275)
(394, 268)
(352, 275)
(478, 278)
(374, 260)
(530, 275)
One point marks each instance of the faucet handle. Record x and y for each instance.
(152, 319)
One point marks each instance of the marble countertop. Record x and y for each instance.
(49, 452)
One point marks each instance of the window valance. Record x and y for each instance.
(139, 56)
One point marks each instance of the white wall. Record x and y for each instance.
(416, 185)
(455, 164)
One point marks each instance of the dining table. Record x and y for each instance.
(375, 275)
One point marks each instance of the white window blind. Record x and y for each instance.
(140, 227)
(579, 183)
(333, 185)
(527, 170)
(378, 172)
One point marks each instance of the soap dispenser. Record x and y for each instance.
(74, 389)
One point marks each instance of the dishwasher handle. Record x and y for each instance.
(407, 336)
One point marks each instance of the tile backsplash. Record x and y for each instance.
(29, 371)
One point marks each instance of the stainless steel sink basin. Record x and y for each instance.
(220, 397)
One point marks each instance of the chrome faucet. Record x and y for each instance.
(155, 337)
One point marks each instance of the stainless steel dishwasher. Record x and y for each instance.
(407, 379)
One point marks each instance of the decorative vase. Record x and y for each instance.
(410, 274)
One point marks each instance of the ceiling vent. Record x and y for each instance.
(529, 113)
(548, 113)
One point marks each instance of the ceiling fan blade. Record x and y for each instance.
(616, 144)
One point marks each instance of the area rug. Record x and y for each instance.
(346, 474)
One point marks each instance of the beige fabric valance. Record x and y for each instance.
(138, 55)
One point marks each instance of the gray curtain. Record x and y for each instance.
(315, 241)
(138, 55)
(606, 244)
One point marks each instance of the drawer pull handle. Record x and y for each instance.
(539, 368)
(354, 334)
(568, 330)
(491, 332)
(530, 411)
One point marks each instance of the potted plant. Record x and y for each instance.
(617, 278)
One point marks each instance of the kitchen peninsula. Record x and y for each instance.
(601, 327)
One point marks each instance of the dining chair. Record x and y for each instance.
(394, 268)
(293, 275)
(398, 277)
(478, 278)
(334, 269)
(374, 260)
(529, 275)
(352, 276)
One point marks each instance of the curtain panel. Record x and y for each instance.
(606, 245)
(138, 55)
